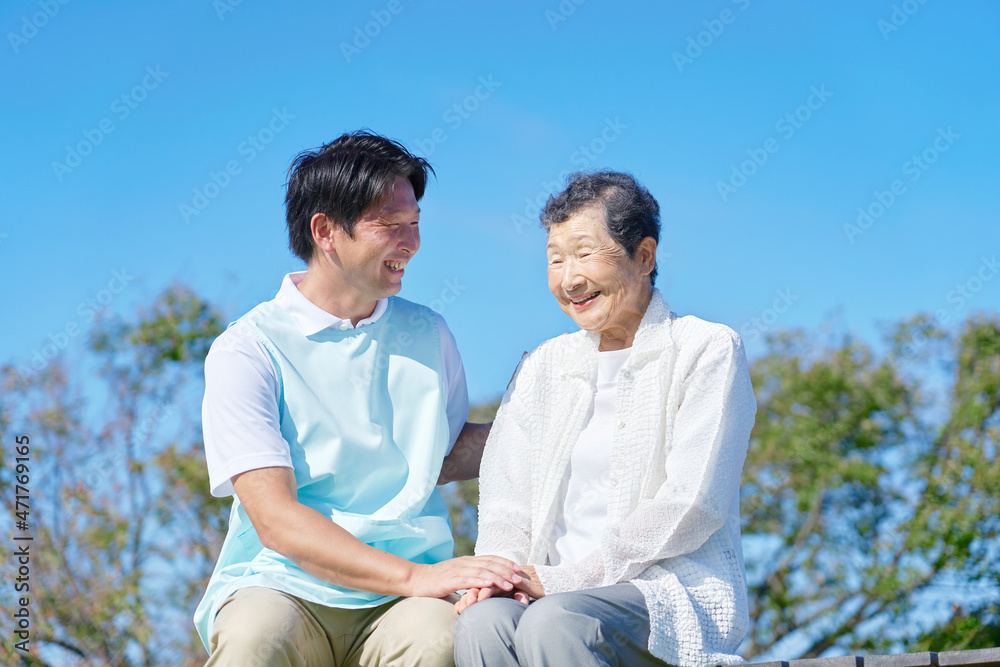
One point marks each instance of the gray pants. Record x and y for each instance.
(597, 626)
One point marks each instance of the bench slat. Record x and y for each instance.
(839, 661)
(925, 659)
(981, 657)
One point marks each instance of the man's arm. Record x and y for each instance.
(463, 461)
(327, 551)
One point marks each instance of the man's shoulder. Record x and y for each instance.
(237, 344)
(261, 312)
(399, 305)
(416, 319)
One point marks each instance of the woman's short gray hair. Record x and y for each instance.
(630, 212)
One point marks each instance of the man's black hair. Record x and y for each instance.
(342, 180)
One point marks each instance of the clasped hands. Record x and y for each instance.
(527, 587)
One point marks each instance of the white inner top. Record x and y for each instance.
(580, 525)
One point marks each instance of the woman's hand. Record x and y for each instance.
(529, 582)
(474, 595)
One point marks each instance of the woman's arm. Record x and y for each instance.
(710, 436)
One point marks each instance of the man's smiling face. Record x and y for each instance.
(385, 238)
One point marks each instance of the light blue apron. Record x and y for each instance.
(363, 413)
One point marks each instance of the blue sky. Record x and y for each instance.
(761, 128)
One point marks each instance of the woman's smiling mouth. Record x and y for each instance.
(584, 301)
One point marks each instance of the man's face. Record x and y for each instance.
(385, 238)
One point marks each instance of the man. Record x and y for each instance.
(328, 412)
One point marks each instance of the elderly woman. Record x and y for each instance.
(613, 467)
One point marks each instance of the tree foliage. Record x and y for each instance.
(124, 530)
(870, 499)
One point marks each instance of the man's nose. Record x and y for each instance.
(409, 239)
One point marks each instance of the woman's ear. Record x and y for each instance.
(645, 255)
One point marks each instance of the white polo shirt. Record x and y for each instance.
(240, 414)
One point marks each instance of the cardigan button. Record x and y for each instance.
(614, 481)
(621, 424)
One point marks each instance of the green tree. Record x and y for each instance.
(125, 532)
(867, 493)
(871, 493)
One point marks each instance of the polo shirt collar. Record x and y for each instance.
(310, 318)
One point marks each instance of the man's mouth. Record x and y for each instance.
(395, 266)
(584, 301)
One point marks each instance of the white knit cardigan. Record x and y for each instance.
(683, 413)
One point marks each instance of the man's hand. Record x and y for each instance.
(474, 595)
(446, 577)
(529, 582)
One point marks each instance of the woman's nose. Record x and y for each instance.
(571, 277)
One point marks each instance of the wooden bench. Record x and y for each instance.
(986, 657)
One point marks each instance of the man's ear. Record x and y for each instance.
(645, 254)
(323, 231)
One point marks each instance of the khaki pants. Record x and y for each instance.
(261, 626)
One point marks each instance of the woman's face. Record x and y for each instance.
(593, 278)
